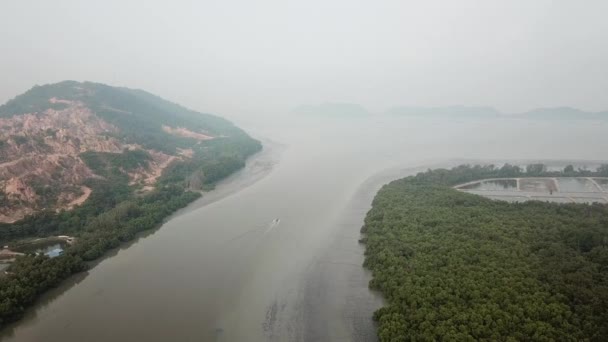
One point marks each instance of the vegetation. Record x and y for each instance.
(111, 215)
(114, 213)
(140, 116)
(31, 275)
(212, 161)
(460, 267)
(128, 160)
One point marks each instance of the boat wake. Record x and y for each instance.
(266, 229)
(272, 225)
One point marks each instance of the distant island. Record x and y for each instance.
(563, 113)
(466, 112)
(86, 166)
(353, 110)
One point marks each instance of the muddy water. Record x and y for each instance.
(272, 254)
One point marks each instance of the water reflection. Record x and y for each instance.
(47, 298)
(576, 185)
(603, 182)
(492, 185)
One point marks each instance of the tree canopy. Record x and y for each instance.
(455, 266)
(115, 212)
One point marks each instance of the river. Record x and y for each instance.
(272, 253)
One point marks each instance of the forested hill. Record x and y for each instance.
(460, 267)
(97, 164)
(139, 115)
(56, 140)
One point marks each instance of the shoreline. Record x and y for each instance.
(343, 255)
(228, 186)
(339, 269)
(407, 194)
(337, 317)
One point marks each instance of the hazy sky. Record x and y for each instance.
(247, 57)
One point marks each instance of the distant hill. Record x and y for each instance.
(456, 112)
(333, 109)
(465, 112)
(562, 113)
(58, 140)
(352, 110)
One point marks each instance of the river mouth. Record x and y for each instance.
(274, 259)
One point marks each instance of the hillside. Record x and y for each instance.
(58, 141)
(89, 166)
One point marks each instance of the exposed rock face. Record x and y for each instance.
(40, 163)
(69, 131)
(154, 169)
(186, 133)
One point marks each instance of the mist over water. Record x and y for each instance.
(251, 57)
(273, 253)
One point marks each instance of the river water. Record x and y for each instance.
(272, 253)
